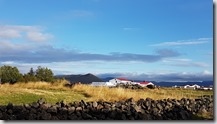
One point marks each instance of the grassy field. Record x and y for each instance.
(21, 93)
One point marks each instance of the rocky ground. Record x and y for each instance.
(143, 109)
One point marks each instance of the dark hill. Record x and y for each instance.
(84, 79)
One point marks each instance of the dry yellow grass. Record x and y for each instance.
(115, 94)
(58, 91)
(59, 84)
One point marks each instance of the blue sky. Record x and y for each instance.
(145, 39)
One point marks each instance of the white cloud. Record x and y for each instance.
(7, 63)
(179, 60)
(31, 33)
(183, 63)
(206, 72)
(38, 36)
(10, 49)
(184, 42)
(9, 33)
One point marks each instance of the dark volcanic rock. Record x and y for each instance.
(52, 110)
(118, 104)
(45, 106)
(27, 106)
(63, 111)
(33, 110)
(71, 110)
(84, 103)
(86, 116)
(35, 105)
(107, 105)
(78, 109)
(9, 106)
(143, 109)
(45, 115)
(99, 107)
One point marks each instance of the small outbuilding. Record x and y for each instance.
(195, 86)
(146, 84)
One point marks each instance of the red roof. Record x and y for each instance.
(144, 82)
(123, 79)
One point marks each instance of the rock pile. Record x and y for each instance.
(143, 109)
(129, 86)
(134, 86)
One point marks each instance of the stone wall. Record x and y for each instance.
(143, 109)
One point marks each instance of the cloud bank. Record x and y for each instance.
(184, 42)
(183, 63)
(41, 54)
(27, 44)
(175, 76)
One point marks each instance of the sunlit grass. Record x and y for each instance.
(21, 93)
(115, 94)
(53, 92)
(59, 84)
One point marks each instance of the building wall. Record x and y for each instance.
(98, 83)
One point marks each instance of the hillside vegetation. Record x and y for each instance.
(21, 93)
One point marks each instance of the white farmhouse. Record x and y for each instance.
(145, 83)
(120, 80)
(112, 82)
(115, 81)
(98, 84)
(195, 86)
(109, 84)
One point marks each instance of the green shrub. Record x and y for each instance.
(9, 74)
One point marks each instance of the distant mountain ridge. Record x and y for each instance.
(84, 79)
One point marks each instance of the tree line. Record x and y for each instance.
(10, 74)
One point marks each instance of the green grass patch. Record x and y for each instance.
(29, 95)
(18, 99)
